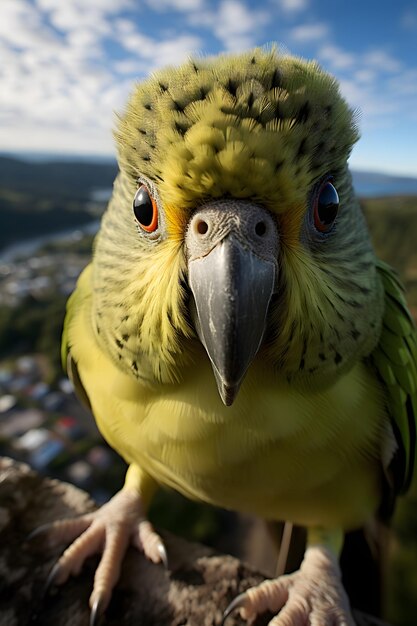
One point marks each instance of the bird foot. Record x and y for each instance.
(312, 596)
(108, 530)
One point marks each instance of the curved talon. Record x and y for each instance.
(238, 603)
(163, 554)
(36, 532)
(53, 575)
(96, 612)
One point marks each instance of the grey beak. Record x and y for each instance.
(232, 287)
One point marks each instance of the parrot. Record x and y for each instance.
(235, 335)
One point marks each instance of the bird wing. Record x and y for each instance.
(75, 304)
(395, 359)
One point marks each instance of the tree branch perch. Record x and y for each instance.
(194, 592)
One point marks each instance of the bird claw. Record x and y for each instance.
(97, 611)
(163, 554)
(51, 580)
(36, 533)
(238, 603)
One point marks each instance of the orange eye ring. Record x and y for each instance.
(145, 209)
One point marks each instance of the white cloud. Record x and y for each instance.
(336, 57)
(409, 20)
(404, 84)
(156, 52)
(21, 25)
(309, 32)
(382, 60)
(233, 23)
(103, 6)
(176, 5)
(366, 76)
(293, 6)
(58, 139)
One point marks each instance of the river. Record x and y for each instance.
(30, 246)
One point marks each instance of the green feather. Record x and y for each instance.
(395, 359)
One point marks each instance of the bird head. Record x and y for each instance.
(233, 222)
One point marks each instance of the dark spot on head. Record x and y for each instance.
(251, 99)
(148, 106)
(178, 107)
(120, 356)
(163, 87)
(146, 157)
(338, 358)
(277, 112)
(203, 93)
(169, 316)
(119, 343)
(98, 329)
(253, 60)
(181, 128)
(302, 148)
(135, 366)
(231, 87)
(195, 68)
(275, 79)
(293, 327)
(125, 337)
(142, 131)
(303, 113)
(125, 318)
(328, 110)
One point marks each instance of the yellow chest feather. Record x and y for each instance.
(276, 451)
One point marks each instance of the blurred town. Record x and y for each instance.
(41, 421)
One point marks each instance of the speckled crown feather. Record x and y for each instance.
(196, 128)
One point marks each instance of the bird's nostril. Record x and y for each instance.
(201, 227)
(260, 229)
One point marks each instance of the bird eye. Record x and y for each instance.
(326, 206)
(145, 210)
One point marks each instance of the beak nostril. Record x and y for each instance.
(260, 229)
(201, 227)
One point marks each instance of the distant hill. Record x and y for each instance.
(373, 184)
(37, 198)
(60, 179)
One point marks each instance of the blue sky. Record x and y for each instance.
(67, 65)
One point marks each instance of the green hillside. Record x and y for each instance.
(43, 198)
(72, 180)
(393, 225)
